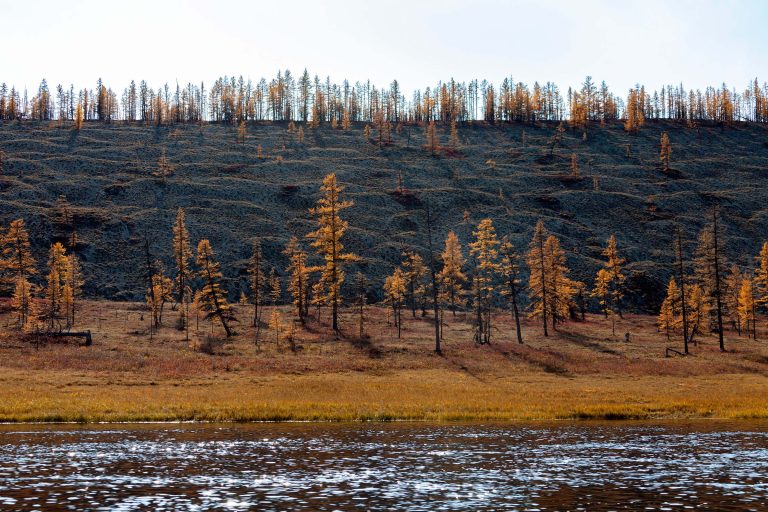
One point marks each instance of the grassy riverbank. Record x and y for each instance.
(582, 372)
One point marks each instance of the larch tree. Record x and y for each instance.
(274, 288)
(747, 306)
(79, 117)
(213, 299)
(538, 281)
(561, 287)
(73, 287)
(682, 277)
(394, 295)
(698, 311)
(298, 273)
(761, 276)
(415, 273)
(159, 294)
(452, 277)
(327, 240)
(669, 314)
(708, 271)
(360, 301)
(665, 152)
(433, 142)
(732, 288)
(23, 303)
(510, 269)
(609, 282)
(454, 140)
(485, 254)
(54, 290)
(256, 279)
(182, 254)
(17, 261)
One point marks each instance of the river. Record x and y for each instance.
(708, 465)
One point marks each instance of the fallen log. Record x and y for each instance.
(673, 351)
(86, 335)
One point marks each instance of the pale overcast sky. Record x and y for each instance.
(697, 42)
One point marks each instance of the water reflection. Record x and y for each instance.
(721, 466)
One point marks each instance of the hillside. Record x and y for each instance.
(232, 196)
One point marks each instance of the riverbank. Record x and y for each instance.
(582, 372)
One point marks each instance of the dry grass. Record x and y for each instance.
(581, 372)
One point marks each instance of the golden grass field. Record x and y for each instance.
(581, 372)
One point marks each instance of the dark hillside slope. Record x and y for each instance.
(231, 196)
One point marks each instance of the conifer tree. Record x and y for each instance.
(510, 269)
(241, 132)
(485, 253)
(538, 282)
(298, 276)
(394, 295)
(17, 261)
(300, 135)
(561, 287)
(433, 143)
(454, 140)
(275, 290)
(54, 290)
(276, 324)
(698, 311)
(73, 287)
(747, 306)
(327, 240)
(609, 283)
(79, 117)
(761, 276)
(733, 283)
(23, 303)
(414, 273)
(360, 302)
(256, 278)
(160, 293)
(670, 311)
(452, 277)
(682, 277)
(182, 254)
(666, 151)
(708, 263)
(213, 299)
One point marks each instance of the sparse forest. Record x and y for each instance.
(312, 100)
(475, 177)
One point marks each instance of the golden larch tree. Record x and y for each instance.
(394, 295)
(23, 303)
(609, 282)
(669, 314)
(256, 279)
(485, 254)
(327, 240)
(298, 273)
(182, 254)
(747, 306)
(538, 281)
(452, 277)
(16, 257)
(665, 152)
(561, 287)
(213, 299)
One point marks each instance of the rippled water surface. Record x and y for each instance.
(582, 466)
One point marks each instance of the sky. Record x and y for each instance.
(417, 42)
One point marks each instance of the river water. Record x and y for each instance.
(549, 466)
